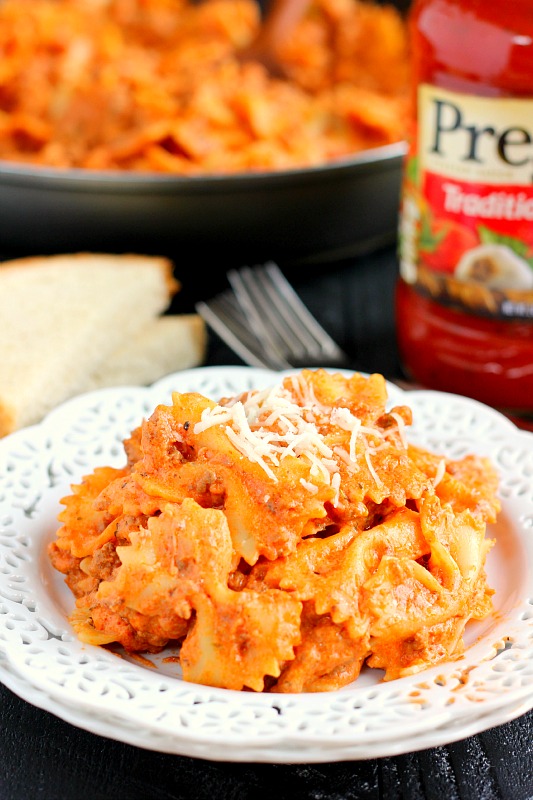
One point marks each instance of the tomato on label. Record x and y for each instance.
(443, 242)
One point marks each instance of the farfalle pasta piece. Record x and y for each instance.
(331, 572)
(82, 541)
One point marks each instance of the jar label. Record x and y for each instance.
(466, 224)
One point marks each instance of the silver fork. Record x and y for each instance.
(265, 322)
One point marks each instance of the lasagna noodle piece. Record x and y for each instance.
(281, 538)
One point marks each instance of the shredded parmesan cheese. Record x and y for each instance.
(372, 470)
(268, 426)
(311, 487)
(276, 423)
(336, 484)
(439, 475)
(401, 428)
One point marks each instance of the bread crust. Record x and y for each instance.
(70, 259)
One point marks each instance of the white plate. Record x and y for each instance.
(42, 661)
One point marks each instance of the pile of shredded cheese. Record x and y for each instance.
(268, 426)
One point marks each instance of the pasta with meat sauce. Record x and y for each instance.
(283, 538)
(160, 86)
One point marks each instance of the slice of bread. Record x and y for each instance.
(62, 316)
(166, 344)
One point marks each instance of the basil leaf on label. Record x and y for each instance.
(488, 236)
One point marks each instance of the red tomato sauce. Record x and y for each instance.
(455, 352)
(469, 49)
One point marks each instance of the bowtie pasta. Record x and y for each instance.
(283, 538)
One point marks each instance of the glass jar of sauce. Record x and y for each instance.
(464, 300)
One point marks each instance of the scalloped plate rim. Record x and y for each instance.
(281, 748)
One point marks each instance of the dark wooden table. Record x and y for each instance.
(44, 758)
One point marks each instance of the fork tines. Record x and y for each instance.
(264, 321)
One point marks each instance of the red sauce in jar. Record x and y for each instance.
(464, 301)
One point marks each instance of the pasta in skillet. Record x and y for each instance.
(159, 86)
(283, 538)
